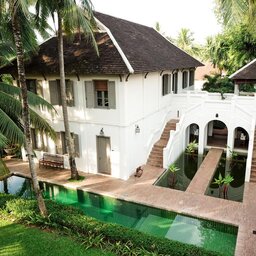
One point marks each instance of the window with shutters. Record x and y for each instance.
(55, 94)
(35, 86)
(165, 85)
(184, 79)
(61, 145)
(175, 83)
(38, 140)
(100, 94)
(191, 77)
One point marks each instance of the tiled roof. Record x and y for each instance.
(79, 58)
(143, 48)
(248, 72)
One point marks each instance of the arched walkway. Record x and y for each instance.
(192, 132)
(241, 138)
(217, 134)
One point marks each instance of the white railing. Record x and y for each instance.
(235, 111)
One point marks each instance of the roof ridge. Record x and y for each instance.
(115, 17)
(242, 68)
(119, 49)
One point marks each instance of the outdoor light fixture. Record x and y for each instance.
(217, 115)
(101, 132)
(137, 129)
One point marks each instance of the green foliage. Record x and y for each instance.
(4, 171)
(216, 83)
(185, 41)
(218, 181)
(173, 168)
(227, 180)
(191, 147)
(232, 49)
(4, 198)
(122, 240)
(20, 240)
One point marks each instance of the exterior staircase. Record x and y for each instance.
(253, 167)
(156, 155)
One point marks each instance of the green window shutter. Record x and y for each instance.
(39, 88)
(70, 93)
(90, 94)
(169, 83)
(54, 92)
(59, 143)
(112, 94)
(76, 144)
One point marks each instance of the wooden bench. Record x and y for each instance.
(52, 160)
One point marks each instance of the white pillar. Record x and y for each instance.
(230, 142)
(236, 89)
(201, 140)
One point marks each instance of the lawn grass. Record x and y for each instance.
(19, 240)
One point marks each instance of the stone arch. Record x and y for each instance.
(241, 138)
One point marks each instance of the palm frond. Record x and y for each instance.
(33, 99)
(9, 129)
(3, 141)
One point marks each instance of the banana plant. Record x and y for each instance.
(172, 168)
(226, 181)
(219, 181)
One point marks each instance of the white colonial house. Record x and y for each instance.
(134, 103)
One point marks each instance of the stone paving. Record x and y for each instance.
(141, 190)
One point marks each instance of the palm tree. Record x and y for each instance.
(16, 16)
(233, 12)
(71, 17)
(11, 129)
(185, 42)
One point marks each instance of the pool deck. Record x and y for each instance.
(141, 190)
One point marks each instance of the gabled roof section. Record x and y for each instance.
(247, 72)
(124, 47)
(79, 57)
(145, 49)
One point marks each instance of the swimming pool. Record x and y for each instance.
(208, 234)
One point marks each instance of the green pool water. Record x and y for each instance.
(236, 168)
(210, 235)
(188, 165)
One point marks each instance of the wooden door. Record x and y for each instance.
(103, 154)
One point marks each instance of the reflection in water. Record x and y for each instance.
(188, 164)
(157, 222)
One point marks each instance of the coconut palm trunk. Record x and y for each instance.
(69, 140)
(25, 113)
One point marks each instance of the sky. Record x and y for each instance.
(197, 15)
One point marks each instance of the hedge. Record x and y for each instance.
(68, 217)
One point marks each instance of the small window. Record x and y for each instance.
(184, 79)
(35, 86)
(165, 84)
(55, 94)
(38, 140)
(101, 93)
(191, 77)
(175, 83)
(61, 145)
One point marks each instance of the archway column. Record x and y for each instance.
(230, 142)
(201, 140)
